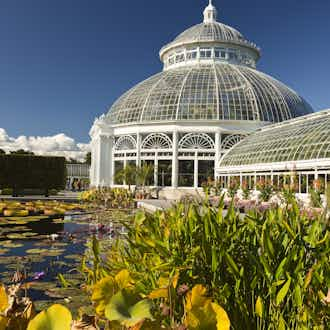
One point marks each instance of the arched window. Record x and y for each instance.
(196, 141)
(125, 142)
(231, 140)
(157, 141)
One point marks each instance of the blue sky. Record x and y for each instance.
(64, 62)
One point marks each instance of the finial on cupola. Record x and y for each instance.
(210, 13)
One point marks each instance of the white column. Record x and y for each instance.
(175, 161)
(112, 170)
(156, 170)
(217, 147)
(196, 170)
(138, 149)
(103, 158)
(92, 168)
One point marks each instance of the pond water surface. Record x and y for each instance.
(37, 249)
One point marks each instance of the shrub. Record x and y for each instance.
(266, 189)
(233, 187)
(53, 192)
(245, 189)
(7, 191)
(32, 172)
(108, 198)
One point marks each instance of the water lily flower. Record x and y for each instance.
(38, 275)
(53, 236)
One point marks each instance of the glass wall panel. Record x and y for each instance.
(186, 173)
(164, 173)
(205, 171)
(119, 165)
(150, 179)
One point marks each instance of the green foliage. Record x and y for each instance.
(327, 196)
(108, 198)
(245, 189)
(127, 175)
(144, 174)
(21, 171)
(56, 317)
(128, 308)
(267, 269)
(135, 175)
(266, 189)
(233, 187)
(316, 200)
(7, 191)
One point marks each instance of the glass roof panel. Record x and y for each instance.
(304, 138)
(220, 91)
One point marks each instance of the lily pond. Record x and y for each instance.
(38, 249)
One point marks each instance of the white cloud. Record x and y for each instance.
(56, 145)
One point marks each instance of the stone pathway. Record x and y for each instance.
(152, 205)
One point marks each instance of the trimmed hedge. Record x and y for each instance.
(32, 172)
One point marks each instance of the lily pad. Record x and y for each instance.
(58, 221)
(73, 256)
(36, 251)
(12, 245)
(59, 244)
(3, 251)
(29, 234)
(53, 253)
(16, 236)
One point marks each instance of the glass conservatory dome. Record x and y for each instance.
(209, 74)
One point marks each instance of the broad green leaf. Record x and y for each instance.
(202, 314)
(281, 324)
(232, 265)
(123, 279)
(158, 293)
(283, 292)
(280, 269)
(196, 297)
(3, 323)
(289, 230)
(259, 307)
(298, 296)
(223, 322)
(268, 244)
(127, 308)
(201, 317)
(56, 317)
(102, 293)
(308, 278)
(140, 217)
(3, 298)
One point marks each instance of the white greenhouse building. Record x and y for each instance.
(182, 120)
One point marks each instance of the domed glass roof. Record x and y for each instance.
(220, 91)
(209, 75)
(214, 31)
(210, 31)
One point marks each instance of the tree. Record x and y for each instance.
(21, 152)
(2, 152)
(88, 158)
(143, 174)
(127, 175)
